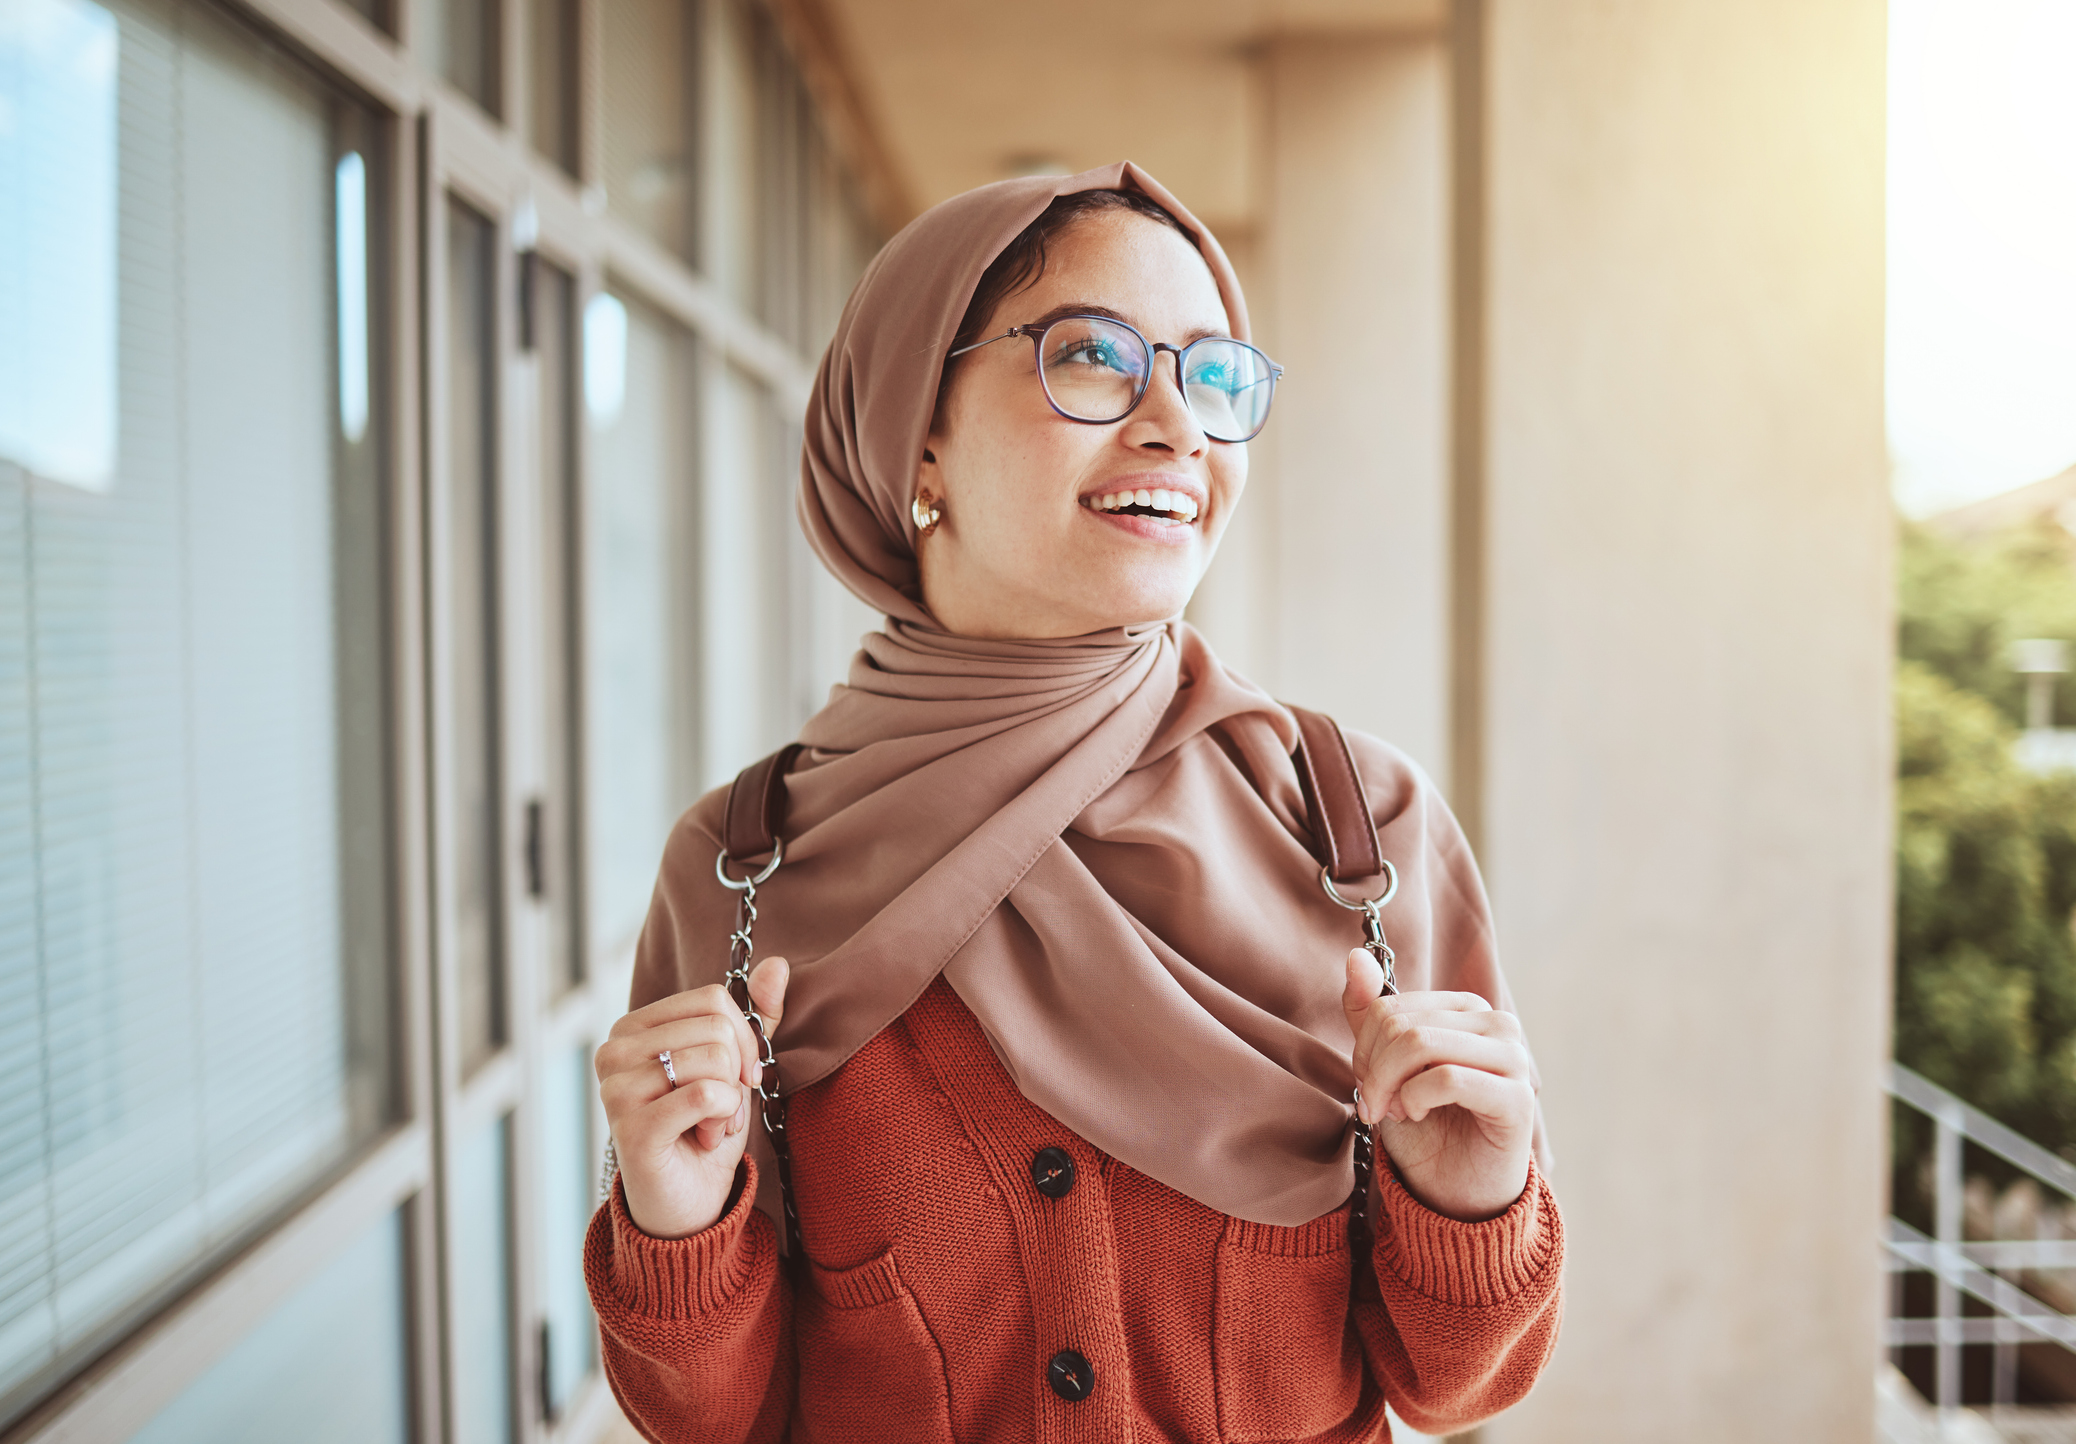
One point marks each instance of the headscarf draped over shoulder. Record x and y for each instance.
(1098, 841)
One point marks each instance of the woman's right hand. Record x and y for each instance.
(679, 1147)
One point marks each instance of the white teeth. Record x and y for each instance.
(1174, 503)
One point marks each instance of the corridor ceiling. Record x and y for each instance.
(963, 92)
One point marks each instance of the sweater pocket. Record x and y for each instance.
(1286, 1357)
(869, 1366)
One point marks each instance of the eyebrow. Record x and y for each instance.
(1090, 308)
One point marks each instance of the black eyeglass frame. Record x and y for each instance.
(1153, 353)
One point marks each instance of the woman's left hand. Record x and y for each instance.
(1448, 1083)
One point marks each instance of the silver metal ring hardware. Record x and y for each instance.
(1359, 904)
(749, 884)
(669, 1071)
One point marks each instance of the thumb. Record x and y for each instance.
(1365, 984)
(768, 989)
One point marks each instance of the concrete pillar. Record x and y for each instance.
(1331, 587)
(1685, 716)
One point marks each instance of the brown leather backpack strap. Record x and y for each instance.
(1344, 839)
(1337, 809)
(757, 805)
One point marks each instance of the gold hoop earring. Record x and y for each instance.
(926, 512)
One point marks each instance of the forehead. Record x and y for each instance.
(1144, 270)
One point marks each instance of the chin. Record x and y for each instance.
(1142, 608)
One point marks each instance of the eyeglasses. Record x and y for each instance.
(1097, 370)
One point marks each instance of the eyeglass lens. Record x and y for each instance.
(1094, 370)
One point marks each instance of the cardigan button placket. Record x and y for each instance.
(1067, 1242)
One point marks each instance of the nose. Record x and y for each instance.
(1162, 420)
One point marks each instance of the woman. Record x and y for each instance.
(1072, 1031)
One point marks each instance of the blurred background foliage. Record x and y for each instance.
(1985, 850)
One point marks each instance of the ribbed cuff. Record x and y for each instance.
(683, 1279)
(1471, 1265)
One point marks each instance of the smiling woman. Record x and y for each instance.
(1066, 1069)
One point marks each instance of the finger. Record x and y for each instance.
(1365, 985)
(1413, 1051)
(1384, 1025)
(1506, 1106)
(1436, 1001)
(768, 989)
(709, 1045)
(692, 1003)
(706, 1109)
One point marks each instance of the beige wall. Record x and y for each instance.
(1332, 589)
(1687, 724)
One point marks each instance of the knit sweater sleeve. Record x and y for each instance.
(1469, 1311)
(697, 1332)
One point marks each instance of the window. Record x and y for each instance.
(195, 924)
(360, 642)
(552, 98)
(651, 94)
(329, 1366)
(465, 44)
(469, 662)
(641, 598)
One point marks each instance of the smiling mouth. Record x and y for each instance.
(1160, 503)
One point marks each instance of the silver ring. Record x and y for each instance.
(668, 1071)
(1390, 890)
(778, 850)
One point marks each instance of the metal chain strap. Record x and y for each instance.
(772, 1106)
(773, 1109)
(1365, 1159)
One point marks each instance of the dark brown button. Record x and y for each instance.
(1052, 1172)
(1072, 1377)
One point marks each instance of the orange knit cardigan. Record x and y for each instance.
(941, 1285)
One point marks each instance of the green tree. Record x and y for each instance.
(1985, 852)
(1962, 605)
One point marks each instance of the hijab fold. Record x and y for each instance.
(1098, 841)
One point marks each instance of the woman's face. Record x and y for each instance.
(1024, 548)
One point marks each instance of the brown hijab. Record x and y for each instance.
(1099, 841)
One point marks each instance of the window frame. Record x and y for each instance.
(430, 140)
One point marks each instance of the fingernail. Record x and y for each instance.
(756, 1074)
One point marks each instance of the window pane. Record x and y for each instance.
(193, 846)
(651, 93)
(730, 253)
(552, 36)
(462, 40)
(329, 1366)
(479, 1234)
(554, 835)
(640, 597)
(568, 1192)
(471, 670)
(747, 516)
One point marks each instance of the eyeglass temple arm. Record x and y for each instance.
(1012, 331)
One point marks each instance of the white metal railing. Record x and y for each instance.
(1959, 1267)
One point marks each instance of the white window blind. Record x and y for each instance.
(187, 745)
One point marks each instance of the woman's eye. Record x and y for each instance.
(1092, 353)
(1215, 376)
